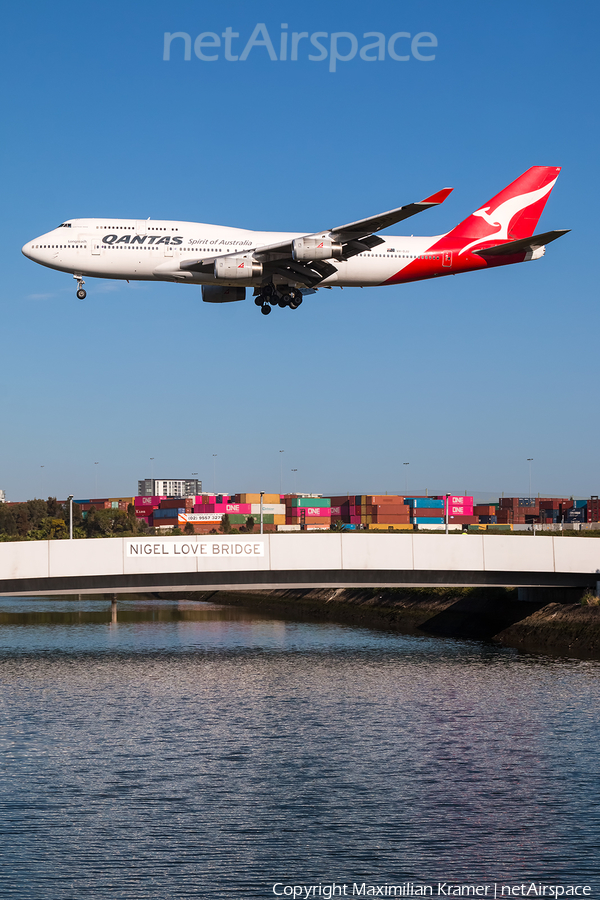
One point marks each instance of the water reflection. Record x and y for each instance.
(169, 749)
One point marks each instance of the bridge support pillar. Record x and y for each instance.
(550, 594)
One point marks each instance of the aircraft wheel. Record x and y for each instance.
(259, 300)
(296, 295)
(81, 294)
(282, 303)
(265, 310)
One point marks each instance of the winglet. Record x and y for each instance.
(438, 198)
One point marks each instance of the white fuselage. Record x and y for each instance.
(151, 250)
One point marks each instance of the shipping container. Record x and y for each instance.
(391, 509)
(431, 520)
(426, 511)
(457, 510)
(222, 508)
(396, 526)
(178, 503)
(255, 498)
(275, 509)
(424, 503)
(302, 502)
(390, 520)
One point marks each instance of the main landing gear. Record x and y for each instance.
(283, 297)
(81, 294)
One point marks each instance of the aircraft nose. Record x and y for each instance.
(27, 250)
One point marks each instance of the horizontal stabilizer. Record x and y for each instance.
(524, 245)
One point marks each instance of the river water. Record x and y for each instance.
(189, 750)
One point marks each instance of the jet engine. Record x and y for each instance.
(214, 293)
(230, 268)
(315, 248)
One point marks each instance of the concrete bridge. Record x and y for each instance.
(245, 562)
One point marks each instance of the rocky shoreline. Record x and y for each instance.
(539, 625)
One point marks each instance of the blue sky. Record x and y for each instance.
(465, 378)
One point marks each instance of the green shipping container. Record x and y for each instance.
(235, 519)
(307, 502)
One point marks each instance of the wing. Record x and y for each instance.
(344, 242)
(363, 227)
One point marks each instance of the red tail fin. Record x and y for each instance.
(510, 215)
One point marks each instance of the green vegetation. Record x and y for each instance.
(43, 520)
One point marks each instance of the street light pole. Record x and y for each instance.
(447, 510)
(70, 502)
(261, 511)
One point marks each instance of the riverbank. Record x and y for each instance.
(497, 614)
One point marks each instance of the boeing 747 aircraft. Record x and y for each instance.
(282, 267)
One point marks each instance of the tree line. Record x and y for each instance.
(43, 520)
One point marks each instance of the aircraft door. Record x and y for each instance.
(96, 246)
(168, 249)
(447, 259)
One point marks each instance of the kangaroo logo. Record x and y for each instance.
(503, 215)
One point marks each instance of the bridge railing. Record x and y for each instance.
(288, 560)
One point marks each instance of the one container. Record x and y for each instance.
(424, 520)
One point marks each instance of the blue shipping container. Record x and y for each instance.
(427, 520)
(580, 504)
(167, 513)
(424, 503)
(488, 520)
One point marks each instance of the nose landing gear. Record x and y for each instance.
(81, 294)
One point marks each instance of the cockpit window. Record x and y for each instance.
(65, 225)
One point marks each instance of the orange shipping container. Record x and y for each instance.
(255, 498)
(377, 526)
(385, 499)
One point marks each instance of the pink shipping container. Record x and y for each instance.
(355, 520)
(238, 509)
(148, 501)
(465, 510)
(460, 501)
